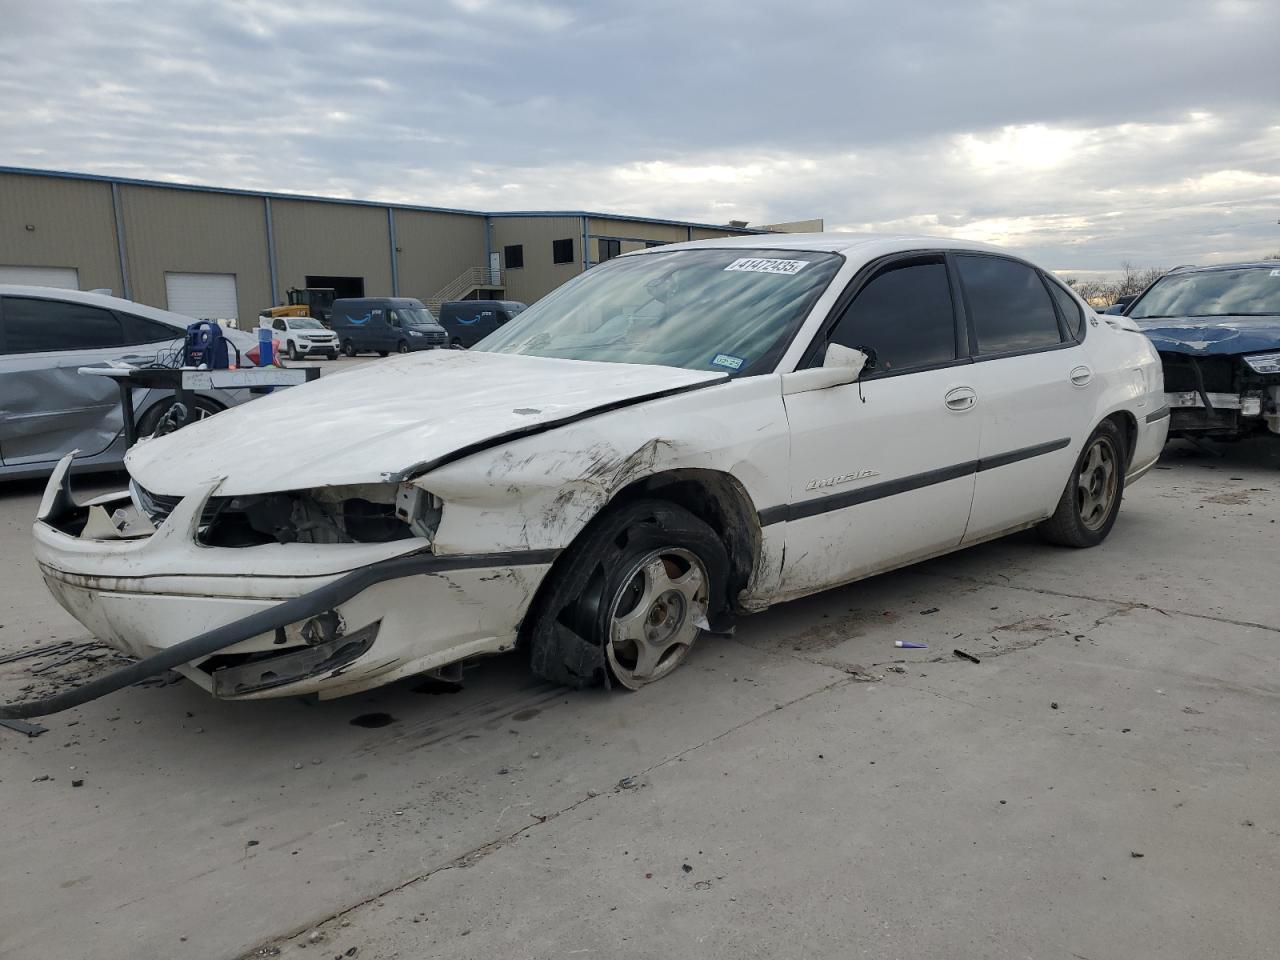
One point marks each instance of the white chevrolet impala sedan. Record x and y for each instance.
(676, 437)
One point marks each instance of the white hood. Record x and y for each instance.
(376, 422)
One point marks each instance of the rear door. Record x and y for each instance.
(882, 470)
(46, 407)
(1036, 389)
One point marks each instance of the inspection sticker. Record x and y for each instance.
(725, 360)
(766, 265)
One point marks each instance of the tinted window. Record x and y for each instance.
(513, 256)
(905, 315)
(562, 251)
(34, 326)
(1009, 307)
(1072, 315)
(142, 330)
(609, 249)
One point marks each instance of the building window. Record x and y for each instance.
(609, 249)
(648, 244)
(562, 251)
(513, 256)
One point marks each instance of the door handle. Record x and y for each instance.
(1081, 375)
(961, 398)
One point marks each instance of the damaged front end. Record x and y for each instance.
(1222, 396)
(355, 513)
(324, 591)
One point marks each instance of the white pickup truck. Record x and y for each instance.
(301, 336)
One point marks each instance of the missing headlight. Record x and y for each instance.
(357, 513)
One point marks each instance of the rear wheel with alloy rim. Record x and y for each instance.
(294, 352)
(630, 598)
(1089, 504)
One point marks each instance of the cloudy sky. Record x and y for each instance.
(1081, 133)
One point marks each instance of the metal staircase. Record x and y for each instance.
(470, 280)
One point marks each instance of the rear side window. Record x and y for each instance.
(905, 315)
(39, 326)
(1009, 308)
(1072, 315)
(142, 330)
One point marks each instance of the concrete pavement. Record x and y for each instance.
(1102, 784)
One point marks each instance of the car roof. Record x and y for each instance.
(97, 300)
(874, 244)
(1215, 267)
(394, 301)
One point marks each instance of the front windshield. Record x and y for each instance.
(1252, 292)
(416, 316)
(306, 323)
(701, 309)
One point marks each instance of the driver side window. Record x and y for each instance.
(905, 315)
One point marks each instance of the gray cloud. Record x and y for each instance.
(1083, 133)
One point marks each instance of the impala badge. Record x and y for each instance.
(843, 478)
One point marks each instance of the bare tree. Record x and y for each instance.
(1102, 293)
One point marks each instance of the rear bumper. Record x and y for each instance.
(145, 595)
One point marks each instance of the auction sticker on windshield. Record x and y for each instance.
(766, 265)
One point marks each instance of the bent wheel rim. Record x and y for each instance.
(656, 615)
(1097, 481)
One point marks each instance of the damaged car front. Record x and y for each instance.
(1217, 330)
(400, 518)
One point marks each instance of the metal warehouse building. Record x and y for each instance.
(210, 252)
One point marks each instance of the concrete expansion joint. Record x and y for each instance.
(1127, 604)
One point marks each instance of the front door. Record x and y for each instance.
(46, 407)
(1034, 382)
(882, 471)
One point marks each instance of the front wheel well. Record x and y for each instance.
(719, 500)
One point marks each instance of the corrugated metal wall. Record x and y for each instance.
(332, 239)
(185, 231)
(435, 249)
(74, 226)
(540, 275)
(196, 230)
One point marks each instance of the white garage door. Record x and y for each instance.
(202, 296)
(65, 278)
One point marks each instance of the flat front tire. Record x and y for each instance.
(630, 598)
(1088, 507)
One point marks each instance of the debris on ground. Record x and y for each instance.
(77, 783)
(925, 613)
(22, 726)
(896, 668)
(965, 655)
(910, 645)
(627, 783)
(686, 868)
(1136, 855)
(1053, 704)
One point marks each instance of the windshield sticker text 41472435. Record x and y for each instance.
(766, 265)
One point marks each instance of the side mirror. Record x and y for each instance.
(840, 366)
